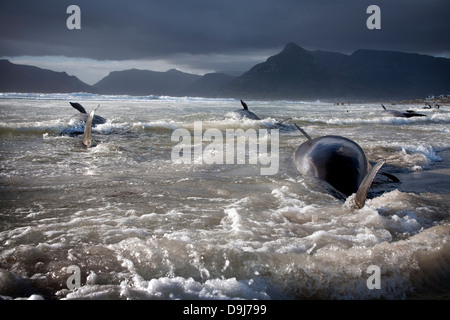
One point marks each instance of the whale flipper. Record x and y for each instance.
(282, 121)
(244, 105)
(304, 132)
(390, 176)
(87, 136)
(78, 106)
(364, 187)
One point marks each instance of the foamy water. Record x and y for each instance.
(140, 226)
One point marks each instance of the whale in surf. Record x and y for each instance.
(407, 114)
(245, 113)
(338, 161)
(83, 115)
(78, 121)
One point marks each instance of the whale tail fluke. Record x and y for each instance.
(363, 190)
(78, 106)
(87, 136)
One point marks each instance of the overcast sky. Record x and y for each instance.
(200, 36)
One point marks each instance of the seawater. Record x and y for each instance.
(139, 226)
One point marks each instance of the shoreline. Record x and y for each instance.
(442, 101)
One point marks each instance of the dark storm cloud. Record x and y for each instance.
(139, 29)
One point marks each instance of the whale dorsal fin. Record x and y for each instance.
(244, 105)
(364, 187)
(78, 106)
(304, 132)
(87, 136)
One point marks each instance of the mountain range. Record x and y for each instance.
(22, 78)
(294, 73)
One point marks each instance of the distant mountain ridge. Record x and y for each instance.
(294, 73)
(22, 78)
(145, 82)
(208, 86)
(398, 74)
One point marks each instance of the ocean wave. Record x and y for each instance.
(72, 96)
(175, 288)
(438, 118)
(80, 96)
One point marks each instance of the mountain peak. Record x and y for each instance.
(174, 71)
(291, 46)
(291, 55)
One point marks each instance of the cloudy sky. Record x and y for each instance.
(201, 36)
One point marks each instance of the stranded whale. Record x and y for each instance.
(83, 115)
(78, 121)
(338, 161)
(407, 114)
(245, 113)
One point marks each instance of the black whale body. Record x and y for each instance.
(407, 114)
(334, 159)
(338, 161)
(245, 113)
(83, 115)
(78, 121)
